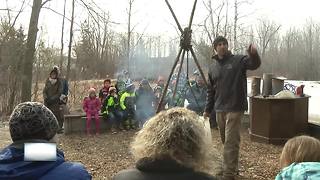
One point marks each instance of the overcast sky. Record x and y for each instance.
(154, 17)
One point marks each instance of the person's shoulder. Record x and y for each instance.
(135, 174)
(213, 65)
(69, 170)
(128, 174)
(297, 170)
(104, 89)
(47, 82)
(239, 57)
(60, 79)
(303, 167)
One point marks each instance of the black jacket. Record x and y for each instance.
(227, 82)
(145, 98)
(147, 169)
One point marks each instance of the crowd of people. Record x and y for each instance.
(126, 107)
(171, 144)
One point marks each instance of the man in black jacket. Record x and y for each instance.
(227, 95)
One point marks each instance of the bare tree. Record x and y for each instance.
(266, 30)
(12, 24)
(235, 25)
(129, 32)
(226, 19)
(70, 42)
(216, 18)
(62, 34)
(29, 55)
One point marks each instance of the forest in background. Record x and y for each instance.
(99, 51)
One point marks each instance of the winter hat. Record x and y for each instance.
(125, 72)
(130, 87)
(144, 82)
(32, 120)
(219, 39)
(158, 89)
(55, 69)
(196, 73)
(92, 90)
(112, 89)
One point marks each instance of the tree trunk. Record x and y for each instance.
(29, 55)
(226, 22)
(235, 43)
(129, 34)
(36, 86)
(13, 94)
(62, 33)
(70, 43)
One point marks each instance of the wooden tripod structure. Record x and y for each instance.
(185, 46)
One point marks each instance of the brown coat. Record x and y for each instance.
(52, 93)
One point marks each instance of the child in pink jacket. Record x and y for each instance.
(92, 105)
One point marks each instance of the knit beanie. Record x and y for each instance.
(32, 120)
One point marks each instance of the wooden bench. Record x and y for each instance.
(76, 123)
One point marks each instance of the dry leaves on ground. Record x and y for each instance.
(106, 154)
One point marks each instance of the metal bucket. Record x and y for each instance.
(267, 84)
(255, 85)
(277, 85)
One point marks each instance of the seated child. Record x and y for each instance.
(111, 110)
(300, 159)
(127, 104)
(92, 105)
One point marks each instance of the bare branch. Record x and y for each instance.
(90, 10)
(8, 13)
(139, 39)
(220, 7)
(15, 19)
(226, 22)
(134, 27)
(6, 9)
(65, 17)
(45, 2)
(219, 18)
(175, 28)
(207, 31)
(206, 6)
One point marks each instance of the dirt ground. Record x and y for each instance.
(106, 154)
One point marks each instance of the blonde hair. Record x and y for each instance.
(300, 149)
(177, 133)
